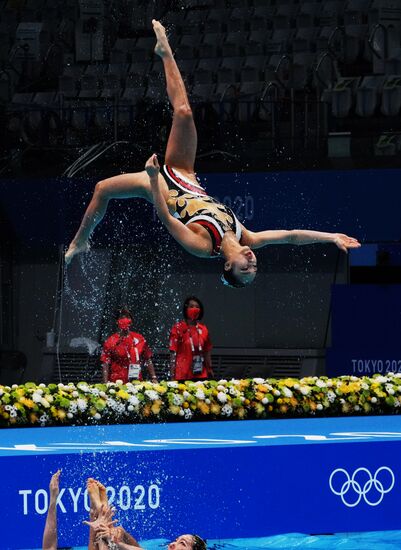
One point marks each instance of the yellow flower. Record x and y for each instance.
(33, 418)
(259, 396)
(261, 388)
(146, 410)
(215, 408)
(123, 394)
(185, 405)
(156, 407)
(205, 409)
(174, 409)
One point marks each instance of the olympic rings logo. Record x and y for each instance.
(362, 484)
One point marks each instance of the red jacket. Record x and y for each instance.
(119, 351)
(180, 342)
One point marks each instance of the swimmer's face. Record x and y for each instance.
(244, 265)
(184, 542)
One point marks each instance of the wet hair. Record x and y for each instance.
(186, 304)
(198, 543)
(230, 279)
(123, 311)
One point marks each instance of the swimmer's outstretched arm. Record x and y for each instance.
(188, 239)
(49, 541)
(260, 239)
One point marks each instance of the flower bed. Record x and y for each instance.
(83, 404)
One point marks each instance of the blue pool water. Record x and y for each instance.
(379, 540)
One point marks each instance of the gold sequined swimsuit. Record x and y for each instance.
(189, 203)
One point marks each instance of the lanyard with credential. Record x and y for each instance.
(199, 340)
(136, 352)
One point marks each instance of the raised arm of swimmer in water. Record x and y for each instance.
(50, 533)
(298, 237)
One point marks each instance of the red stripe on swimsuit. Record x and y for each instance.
(185, 184)
(214, 235)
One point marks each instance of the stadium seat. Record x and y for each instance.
(356, 12)
(202, 92)
(342, 96)
(308, 14)
(367, 95)
(305, 39)
(239, 19)
(391, 96)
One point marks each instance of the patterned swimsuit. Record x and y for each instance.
(189, 203)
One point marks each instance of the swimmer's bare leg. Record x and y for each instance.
(49, 541)
(94, 495)
(182, 141)
(103, 494)
(124, 186)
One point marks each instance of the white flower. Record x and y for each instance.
(82, 404)
(69, 415)
(44, 402)
(112, 391)
(381, 379)
(222, 388)
(75, 394)
(133, 402)
(172, 384)
(321, 383)
(60, 386)
(84, 388)
(329, 383)
(226, 410)
(296, 386)
(95, 392)
(13, 412)
(8, 407)
(354, 378)
(222, 381)
(185, 394)
(73, 408)
(319, 407)
(188, 414)
(221, 397)
(39, 391)
(152, 394)
(200, 395)
(181, 413)
(44, 418)
(42, 385)
(287, 392)
(331, 396)
(258, 380)
(232, 391)
(130, 408)
(177, 399)
(364, 386)
(36, 397)
(277, 393)
(102, 394)
(207, 401)
(356, 408)
(305, 390)
(390, 389)
(14, 386)
(119, 382)
(265, 401)
(374, 400)
(1, 391)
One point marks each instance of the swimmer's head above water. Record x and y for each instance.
(188, 542)
(240, 270)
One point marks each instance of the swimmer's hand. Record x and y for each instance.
(152, 166)
(343, 242)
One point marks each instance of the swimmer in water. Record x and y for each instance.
(200, 224)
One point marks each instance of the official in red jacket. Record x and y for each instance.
(190, 344)
(126, 353)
